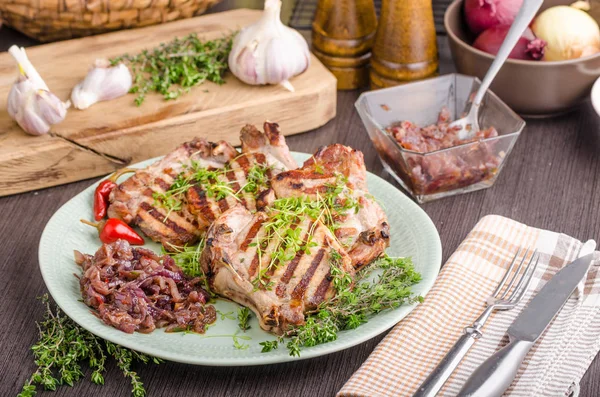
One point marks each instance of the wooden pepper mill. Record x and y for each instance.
(342, 36)
(405, 47)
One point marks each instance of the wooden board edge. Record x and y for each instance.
(138, 143)
(58, 163)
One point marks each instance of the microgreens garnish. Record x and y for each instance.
(187, 258)
(236, 341)
(213, 181)
(184, 63)
(257, 178)
(228, 315)
(284, 213)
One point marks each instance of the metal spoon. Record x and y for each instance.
(470, 125)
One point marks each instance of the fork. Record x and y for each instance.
(501, 299)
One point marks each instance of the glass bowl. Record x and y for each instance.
(460, 169)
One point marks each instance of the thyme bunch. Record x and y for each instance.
(62, 347)
(183, 62)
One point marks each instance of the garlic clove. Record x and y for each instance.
(17, 94)
(29, 119)
(38, 110)
(49, 107)
(286, 63)
(103, 83)
(30, 103)
(246, 66)
(268, 52)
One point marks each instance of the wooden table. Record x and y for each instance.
(551, 180)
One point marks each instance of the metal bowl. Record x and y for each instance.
(531, 88)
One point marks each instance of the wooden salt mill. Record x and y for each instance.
(342, 36)
(405, 47)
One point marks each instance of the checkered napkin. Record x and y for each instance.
(554, 365)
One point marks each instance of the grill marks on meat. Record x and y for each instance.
(133, 199)
(206, 209)
(133, 289)
(365, 232)
(232, 261)
(240, 249)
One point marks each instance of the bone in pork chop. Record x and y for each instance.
(246, 177)
(134, 201)
(241, 263)
(175, 200)
(362, 229)
(271, 143)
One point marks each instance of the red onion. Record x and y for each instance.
(485, 14)
(528, 47)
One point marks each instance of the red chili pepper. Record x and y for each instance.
(103, 191)
(115, 229)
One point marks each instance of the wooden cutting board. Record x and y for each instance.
(110, 135)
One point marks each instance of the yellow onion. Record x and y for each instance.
(569, 32)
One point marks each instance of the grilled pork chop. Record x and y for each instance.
(133, 201)
(239, 264)
(240, 178)
(363, 229)
(264, 155)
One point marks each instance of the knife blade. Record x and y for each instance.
(536, 316)
(496, 374)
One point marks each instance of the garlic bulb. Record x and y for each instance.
(569, 32)
(103, 83)
(30, 103)
(268, 52)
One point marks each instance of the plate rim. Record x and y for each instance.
(57, 296)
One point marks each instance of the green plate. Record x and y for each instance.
(412, 234)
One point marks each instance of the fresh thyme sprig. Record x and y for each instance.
(183, 62)
(62, 347)
(354, 303)
(243, 316)
(270, 345)
(124, 358)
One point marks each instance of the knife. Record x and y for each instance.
(494, 376)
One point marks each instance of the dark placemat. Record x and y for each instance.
(304, 12)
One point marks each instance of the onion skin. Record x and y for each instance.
(484, 14)
(570, 33)
(527, 48)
